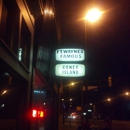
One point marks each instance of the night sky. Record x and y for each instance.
(108, 40)
(107, 43)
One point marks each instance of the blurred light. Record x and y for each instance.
(110, 81)
(49, 12)
(84, 88)
(84, 113)
(4, 92)
(37, 113)
(108, 99)
(127, 93)
(20, 54)
(34, 113)
(2, 105)
(62, 99)
(40, 114)
(72, 84)
(89, 110)
(70, 116)
(74, 117)
(37, 91)
(70, 99)
(78, 108)
(6, 74)
(93, 15)
(91, 104)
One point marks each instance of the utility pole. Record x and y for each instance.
(60, 92)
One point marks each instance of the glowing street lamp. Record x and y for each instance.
(93, 15)
(70, 99)
(127, 93)
(125, 102)
(108, 99)
(72, 83)
(62, 99)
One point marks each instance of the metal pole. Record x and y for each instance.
(86, 88)
(81, 104)
(60, 92)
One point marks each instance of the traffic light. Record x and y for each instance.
(38, 113)
(110, 81)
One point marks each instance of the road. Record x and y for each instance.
(116, 125)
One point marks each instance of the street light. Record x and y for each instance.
(72, 83)
(127, 93)
(70, 99)
(125, 104)
(93, 15)
(108, 99)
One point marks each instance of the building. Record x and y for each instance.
(29, 33)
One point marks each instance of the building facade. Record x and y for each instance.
(28, 36)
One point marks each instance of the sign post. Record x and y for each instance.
(69, 64)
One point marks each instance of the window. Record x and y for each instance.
(10, 24)
(25, 43)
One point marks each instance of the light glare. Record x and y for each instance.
(127, 93)
(93, 15)
(72, 84)
(49, 12)
(4, 92)
(109, 99)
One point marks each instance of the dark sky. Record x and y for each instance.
(108, 40)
